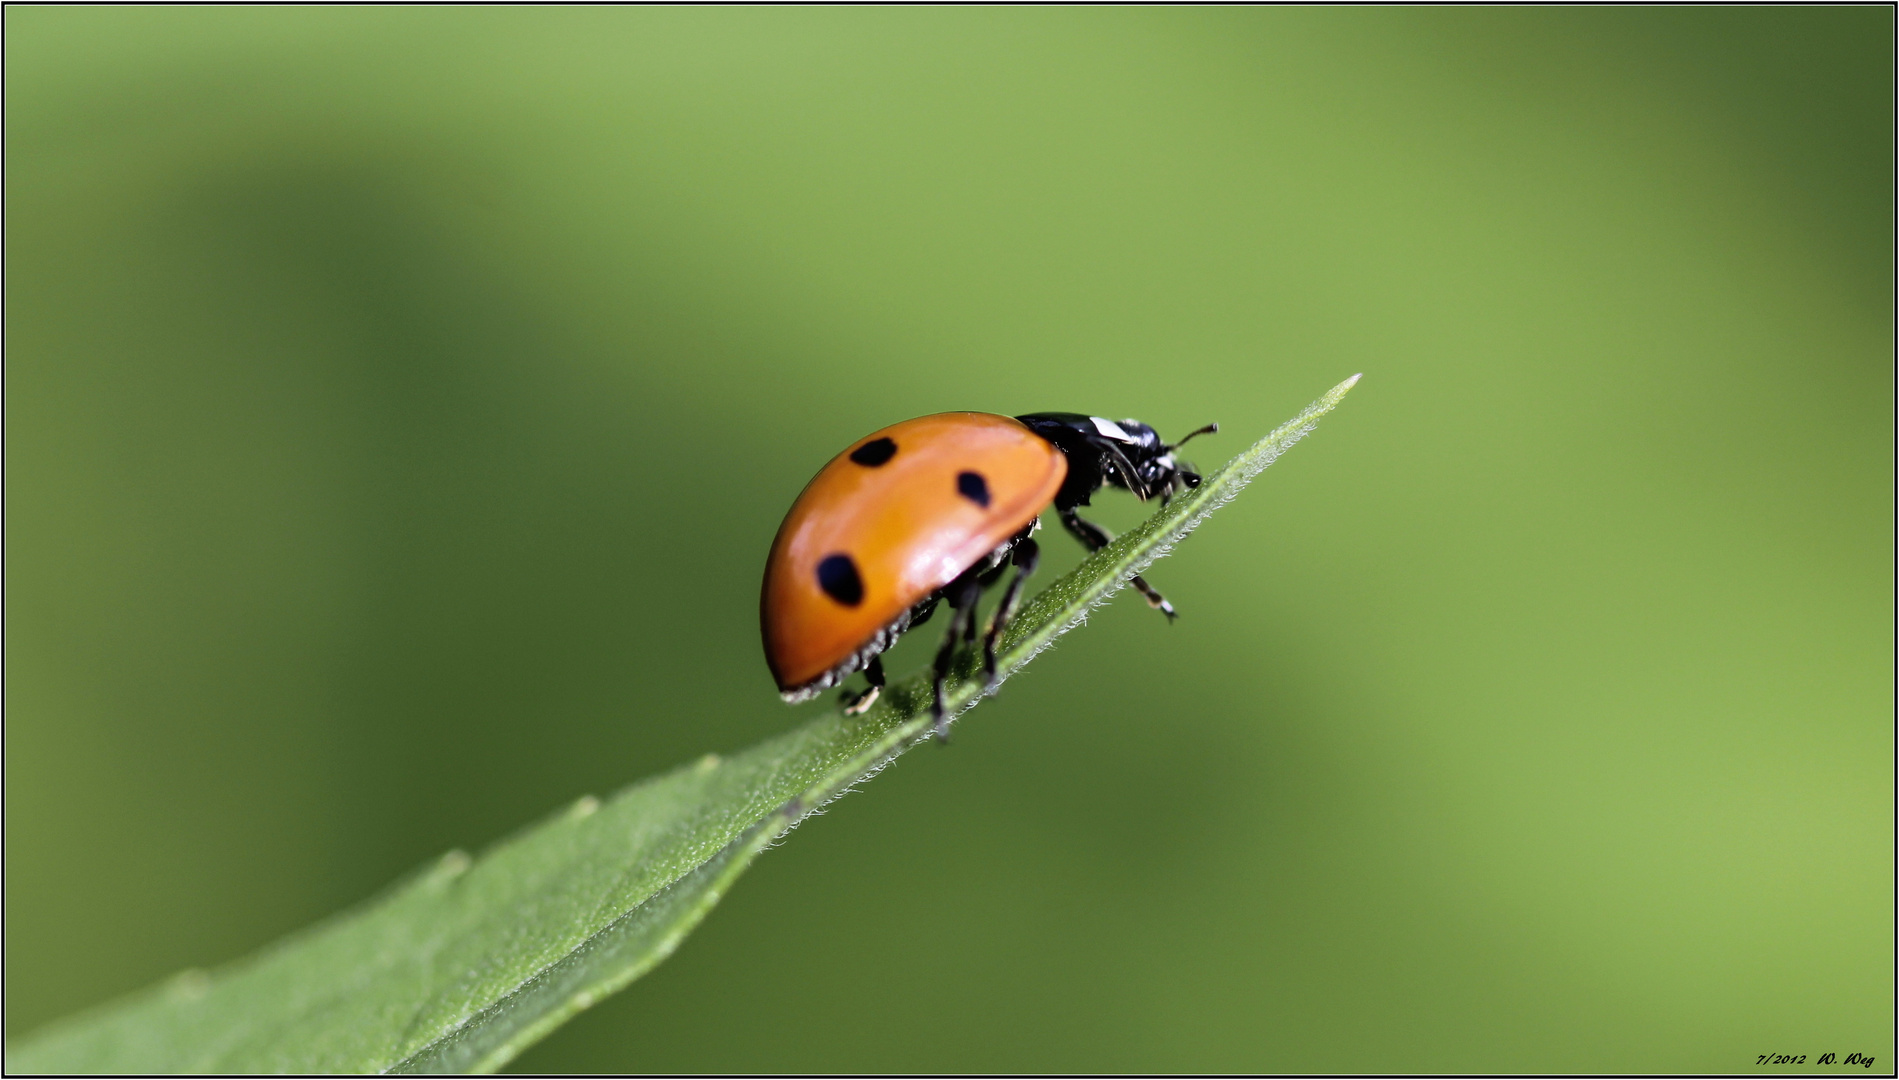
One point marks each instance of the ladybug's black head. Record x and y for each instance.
(1126, 454)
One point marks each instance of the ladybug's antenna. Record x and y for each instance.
(1207, 430)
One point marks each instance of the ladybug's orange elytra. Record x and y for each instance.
(930, 497)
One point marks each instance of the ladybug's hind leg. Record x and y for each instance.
(859, 703)
(962, 595)
(1094, 538)
(855, 704)
(1027, 554)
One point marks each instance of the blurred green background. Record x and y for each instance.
(400, 403)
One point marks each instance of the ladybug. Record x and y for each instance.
(927, 512)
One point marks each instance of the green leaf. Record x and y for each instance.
(472, 960)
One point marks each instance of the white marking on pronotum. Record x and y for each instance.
(1111, 429)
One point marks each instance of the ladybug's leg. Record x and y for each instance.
(1027, 554)
(1094, 538)
(855, 704)
(873, 674)
(962, 595)
(1154, 599)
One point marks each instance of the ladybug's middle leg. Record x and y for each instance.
(1027, 554)
(1094, 538)
(962, 595)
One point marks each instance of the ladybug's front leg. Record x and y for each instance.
(1094, 538)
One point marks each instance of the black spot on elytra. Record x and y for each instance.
(837, 576)
(875, 452)
(971, 486)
